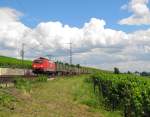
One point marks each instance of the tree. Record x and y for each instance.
(145, 73)
(78, 65)
(116, 70)
(129, 72)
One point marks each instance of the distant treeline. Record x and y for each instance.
(144, 73)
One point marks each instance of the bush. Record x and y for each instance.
(116, 70)
(22, 84)
(42, 78)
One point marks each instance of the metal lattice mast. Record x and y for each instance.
(22, 56)
(70, 53)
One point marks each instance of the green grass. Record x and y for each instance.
(63, 97)
(83, 93)
(23, 84)
(14, 63)
(6, 100)
(42, 78)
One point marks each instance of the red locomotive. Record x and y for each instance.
(43, 65)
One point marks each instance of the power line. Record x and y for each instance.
(50, 56)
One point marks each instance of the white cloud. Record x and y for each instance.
(140, 10)
(9, 15)
(93, 44)
(11, 29)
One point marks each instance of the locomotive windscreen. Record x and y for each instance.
(37, 61)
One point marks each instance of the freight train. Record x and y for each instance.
(45, 66)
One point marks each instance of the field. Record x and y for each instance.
(9, 62)
(102, 94)
(63, 97)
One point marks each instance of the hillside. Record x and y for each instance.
(14, 63)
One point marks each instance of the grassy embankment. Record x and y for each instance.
(8, 62)
(63, 97)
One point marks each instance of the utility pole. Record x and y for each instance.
(22, 52)
(22, 56)
(70, 53)
(49, 56)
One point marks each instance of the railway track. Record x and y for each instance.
(10, 79)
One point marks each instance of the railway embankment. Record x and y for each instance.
(15, 71)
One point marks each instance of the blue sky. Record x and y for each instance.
(125, 38)
(72, 12)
